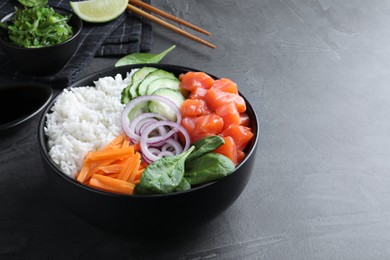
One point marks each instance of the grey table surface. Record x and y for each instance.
(318, 74)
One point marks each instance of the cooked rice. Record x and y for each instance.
(84, 119)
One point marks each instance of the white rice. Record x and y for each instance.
(84, 119)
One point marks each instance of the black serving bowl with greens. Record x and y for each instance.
(148, 214)
(41, 60)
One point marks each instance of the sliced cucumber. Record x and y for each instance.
(142, 88)
(133, 89)
(138, 110)
(125, 98)
(163, 109)
(142, 73)
(162, 83)
(130, 92)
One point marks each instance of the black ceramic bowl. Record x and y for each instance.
(21, 103)
(148, 213)
(45, 60)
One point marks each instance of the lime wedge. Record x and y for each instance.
(99, 11)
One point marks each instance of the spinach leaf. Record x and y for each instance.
(209, 167)
(165, 175)
(205, 145)
(31, 3)
(184, 185)
(137, 58)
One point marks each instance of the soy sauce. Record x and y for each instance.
(19, 102)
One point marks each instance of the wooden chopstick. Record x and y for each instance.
(168, 25)
(168, 16)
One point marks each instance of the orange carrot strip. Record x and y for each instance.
(113, 168)
(126, 165)
(136, 181)
(137, 176)
(132, 164)
(117, 141)
(126, 142)
(95, 167)
(134, 168)
(110, 184)
(112, 175)
(106, 154)
(81, 177)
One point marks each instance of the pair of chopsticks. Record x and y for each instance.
(131, 7)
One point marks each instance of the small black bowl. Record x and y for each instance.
(148, 214)
(20, 104)
(44, 60)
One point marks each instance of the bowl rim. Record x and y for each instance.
(78, 28)
(42, 139)
(20, 120)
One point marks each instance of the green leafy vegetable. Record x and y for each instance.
(209, 167)
(37, 26)
(137, 58)
(31, 3)
(184, 185)
(205, 145)
(164, 175)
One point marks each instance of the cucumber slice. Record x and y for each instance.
(138, 110)
(136, 79)
(130, 92)
(133, 89)
(142, 88)
(162, 83)
(125, 98)
(163, 109)
(142, 73)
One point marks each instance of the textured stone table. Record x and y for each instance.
(318, 74)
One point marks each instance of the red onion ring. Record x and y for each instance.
(129, 128)
(145, 139)
(158, 137)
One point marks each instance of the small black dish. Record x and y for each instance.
(20, 104)
(147, 215)
(45, 60)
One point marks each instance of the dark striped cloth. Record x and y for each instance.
(124, 35)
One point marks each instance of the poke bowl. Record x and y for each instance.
(157, 201)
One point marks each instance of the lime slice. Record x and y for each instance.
(99, 11)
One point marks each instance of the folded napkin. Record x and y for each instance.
(126, 34)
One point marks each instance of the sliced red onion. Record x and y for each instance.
(146, 141)
(158, 137)
(138, 122)
(165, 153)
(171, 143)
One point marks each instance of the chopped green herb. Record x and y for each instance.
(37, 26)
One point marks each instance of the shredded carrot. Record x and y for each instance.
(137, 176)
(131, 168)
(113, 168)
(110, 184)
(117, 167)
(82, 175)
(110, 153)
(126, 143)
(117, 141)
